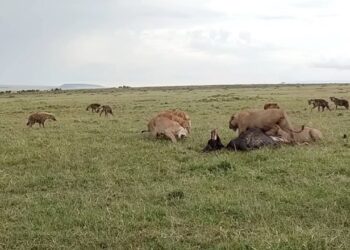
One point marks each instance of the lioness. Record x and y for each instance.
(307, 135)
(184, 123)
(40, 117)
(161, 125)
(179, 116)
(271, 106)
(178, 112)
(263, 119)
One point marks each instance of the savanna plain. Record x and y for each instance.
(90, 182)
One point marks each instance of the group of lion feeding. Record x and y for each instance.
(256, 128)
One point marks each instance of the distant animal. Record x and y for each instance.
(306, 136)
(271, 106)
(40, 117)
(253, 138)
(179, 116)
(263, 119)
(319, 103)
(94, 107)
(106, 109)
(339, 102)
(161, 125)
(214, 142)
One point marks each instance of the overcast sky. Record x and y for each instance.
(178, 42)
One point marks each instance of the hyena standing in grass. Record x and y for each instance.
(94, 107)
(339, 102)
(40, 117)
(106, 109)
(319, 103)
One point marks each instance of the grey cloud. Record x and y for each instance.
(221, 43)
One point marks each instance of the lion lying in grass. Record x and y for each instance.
(305, 136)
(170, 123)
(179, 116)
(40, 117)
(161, 125)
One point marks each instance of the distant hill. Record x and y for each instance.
(79, 86)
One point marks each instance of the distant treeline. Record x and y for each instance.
(29, 91)
(52, 90)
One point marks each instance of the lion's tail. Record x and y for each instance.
(143, 131)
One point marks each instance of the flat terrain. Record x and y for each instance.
(90, 182)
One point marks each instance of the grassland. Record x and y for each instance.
(89, 182)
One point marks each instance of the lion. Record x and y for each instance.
(40, 117)
(177, 112)
(94, 107)
(179, 116)
(306, 136)
(161, 125)
(271, 106)
(263, 119)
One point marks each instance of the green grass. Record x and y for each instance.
(90, 182)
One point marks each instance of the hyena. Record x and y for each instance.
(106, 109)
(319, 103)
(40, 117)
(339, 102)
(94, 107)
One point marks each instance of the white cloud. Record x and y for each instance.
(173, 42)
